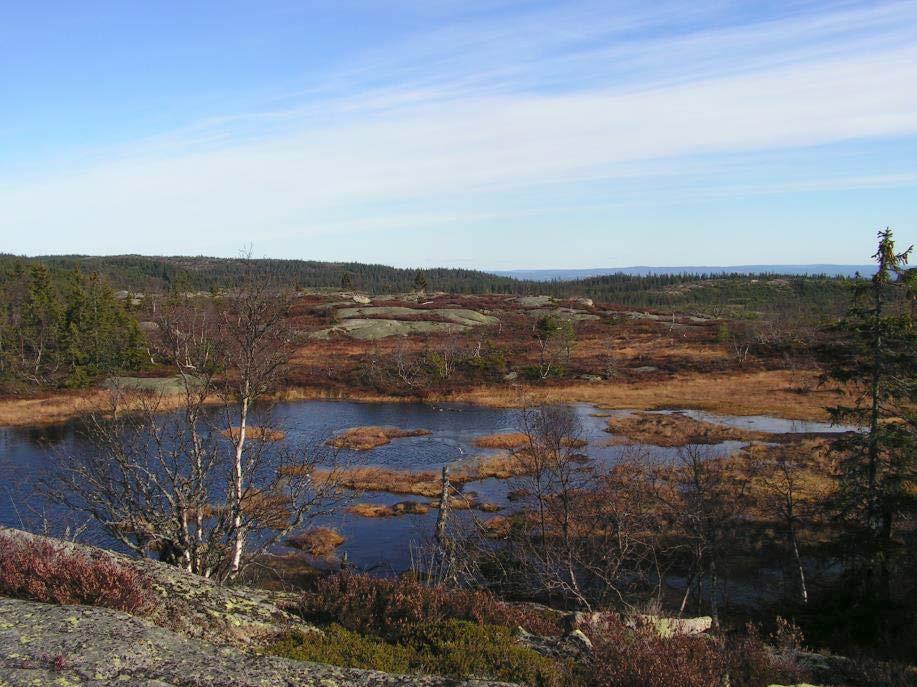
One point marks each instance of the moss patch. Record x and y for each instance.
(454, 648)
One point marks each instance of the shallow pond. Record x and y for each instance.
(380, 544)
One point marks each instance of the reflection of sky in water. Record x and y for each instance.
(382, 544)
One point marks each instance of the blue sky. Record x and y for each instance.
(502, 134)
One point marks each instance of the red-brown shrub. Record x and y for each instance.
(626, 657)
(389, 608)
(752, 663)
(41, 571)
(641, 658)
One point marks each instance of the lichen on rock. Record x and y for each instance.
(43, 644)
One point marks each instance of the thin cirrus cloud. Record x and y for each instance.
(465, 123)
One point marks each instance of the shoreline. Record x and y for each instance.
(785, 394)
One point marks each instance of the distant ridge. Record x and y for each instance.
(682, 288)
(642, 271)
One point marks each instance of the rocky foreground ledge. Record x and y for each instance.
(202, 635)
(42, 644)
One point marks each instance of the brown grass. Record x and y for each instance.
(384, 479)
(53, 408)
(504, 441)
(469, 501)
(817, 474)
(503, 466)
(780, 393)
(517, 440)
(367, 438)
(378, 510)
(271, 509)
(318, 542)
(255, 433)
(423, 483)
(677, 430)
(497, 527)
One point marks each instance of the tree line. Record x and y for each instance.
(63, 328)
(730, 293)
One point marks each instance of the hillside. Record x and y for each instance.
(709, 292)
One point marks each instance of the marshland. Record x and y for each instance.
(557, 450)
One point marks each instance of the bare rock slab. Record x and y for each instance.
(76, 646)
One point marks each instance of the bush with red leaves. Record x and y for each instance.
(641, 658)
(388, 608)
(626, 657)
(41, 571)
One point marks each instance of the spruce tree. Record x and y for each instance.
(875, 360)
(41, 321)
(420, 282)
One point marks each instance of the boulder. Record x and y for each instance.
(666, 627)
(575, 645)
(361, 299)
(669, 627)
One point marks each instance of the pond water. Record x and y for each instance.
(380, 544)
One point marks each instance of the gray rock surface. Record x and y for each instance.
(575, 644)
(74, 646)
(372, 329)
(563, 314)
(198, 607)
(464, 316)
(534, 301)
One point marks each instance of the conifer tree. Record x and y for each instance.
(41, 321)
(420, 282)
(875, 359)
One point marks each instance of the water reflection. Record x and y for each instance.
(27, 454)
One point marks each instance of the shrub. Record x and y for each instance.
(641, 658)
(388, 607)
(41, 571)
(341, 647)
(750, 662)
(455, 648)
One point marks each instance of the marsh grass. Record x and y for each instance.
(318, 541)
(675, 430)
(368, 438)
(379, 510)
(255, 433)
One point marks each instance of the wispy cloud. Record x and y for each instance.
(469, 112)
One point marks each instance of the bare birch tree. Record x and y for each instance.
(203, 487)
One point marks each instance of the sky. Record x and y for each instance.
(497, 135)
